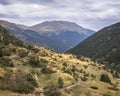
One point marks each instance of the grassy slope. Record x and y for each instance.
(103, 46)
(68, 67)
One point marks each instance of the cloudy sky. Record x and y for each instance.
(93, 14)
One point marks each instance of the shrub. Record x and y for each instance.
(35, 50)
(106, 95)
(3, 86)
(83, 78)
(94, 87)
(31, 80)
(60, 82)
(51, 91)
(43, 60)
(93, 76)
(35, 62)
(105, 78)
(116, 75)
(114, 87)
(6, 52)
(24, 88)
(73, 69)
(18, 83)
(5, 62)
(67, 70)
(85, 66)
(46, 70)
(76, 76)
(65, 64)
(22, 54)
(1, 52)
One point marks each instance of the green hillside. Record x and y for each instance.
(103, 46)
(36, 71)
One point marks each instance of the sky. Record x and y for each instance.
(92, 14)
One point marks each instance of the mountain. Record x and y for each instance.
(56, 26)
(104, 45)
(68, 33)
(57, 35)
(30, 70)
(25, 34)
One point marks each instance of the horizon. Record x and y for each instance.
(58, 21)
(89, 14)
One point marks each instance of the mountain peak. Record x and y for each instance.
(22, 26)
(53, 26)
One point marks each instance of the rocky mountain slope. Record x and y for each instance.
(32, 70)
(57, 35)
(103, 46)
(56, 26)
(68, 33)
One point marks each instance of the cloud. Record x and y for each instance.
(4, 2)
(89, 13)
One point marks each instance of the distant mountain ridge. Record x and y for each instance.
(56, 26)
(103, 46)
(57, 35)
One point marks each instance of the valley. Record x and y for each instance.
(57, 35)
(59, 47)
(27, 70)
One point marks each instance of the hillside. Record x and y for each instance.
(32, 70)
(23, 33)
(103, 46)
(61, 38)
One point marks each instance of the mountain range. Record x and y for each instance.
(57, 35)
(103, 46)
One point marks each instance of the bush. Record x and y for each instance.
(24, 88)
(18, 83)
(73, 69)
(43, 60)
(34, 49)
(60, 82)
(76, 76)
(106, 95)
(35, 62)
(114, 87)
(5, 62)
(22, 54)
(6, 52)
(116, 75)
(3, 86)
(65, 64)
(46, 70)
(94, 87)
(105, 78)
(1, 52)
(83, 78)
(51, 91)
(31, 80)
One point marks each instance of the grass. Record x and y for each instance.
(55, 61)
(9, 93)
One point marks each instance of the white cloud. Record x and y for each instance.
(89, 13)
